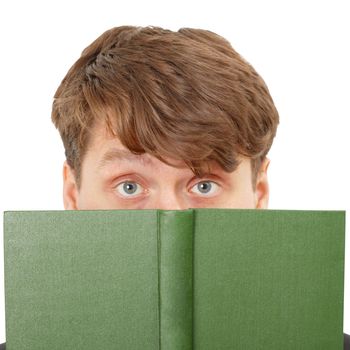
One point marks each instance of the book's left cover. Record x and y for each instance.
(100, 273)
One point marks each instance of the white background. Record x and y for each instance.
(301, 49)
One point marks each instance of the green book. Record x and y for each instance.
(206, 278)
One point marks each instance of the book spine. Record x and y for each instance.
(175, 279)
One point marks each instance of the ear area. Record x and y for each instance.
(262, 186)
(70, 191)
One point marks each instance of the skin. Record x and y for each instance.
(144, 182)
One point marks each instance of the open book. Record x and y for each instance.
(174, 279)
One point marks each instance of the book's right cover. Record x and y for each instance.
(269, 279)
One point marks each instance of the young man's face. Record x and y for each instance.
(144, 182)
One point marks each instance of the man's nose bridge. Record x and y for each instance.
(168, 199)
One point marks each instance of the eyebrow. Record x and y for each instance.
(116, 154)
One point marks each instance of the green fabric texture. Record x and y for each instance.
(175, 251)
(202, 278)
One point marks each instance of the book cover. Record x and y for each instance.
(200, 278)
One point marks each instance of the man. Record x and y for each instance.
(152, 118)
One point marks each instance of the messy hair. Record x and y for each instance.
(186, 95)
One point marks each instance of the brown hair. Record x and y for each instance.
(186, 95)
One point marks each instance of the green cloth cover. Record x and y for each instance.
(203, 278)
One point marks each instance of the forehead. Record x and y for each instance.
(106, 149)
(101, 137)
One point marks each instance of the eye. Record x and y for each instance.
(204, 187)
(130, 188)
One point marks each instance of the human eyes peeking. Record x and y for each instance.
(131, 189)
